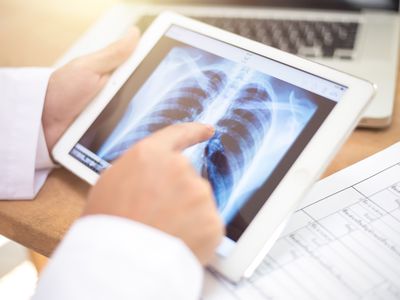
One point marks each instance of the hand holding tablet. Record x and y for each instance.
(279, 119)
(72, 86)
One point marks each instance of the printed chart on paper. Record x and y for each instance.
(342, 243)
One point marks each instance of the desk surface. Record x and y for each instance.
(40, 224)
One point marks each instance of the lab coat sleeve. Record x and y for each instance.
(104, 257)
(24, 158)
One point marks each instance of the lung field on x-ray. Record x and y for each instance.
(254, 123)
(183, 103)
(185, 100)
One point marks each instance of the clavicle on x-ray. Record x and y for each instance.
(256, 117)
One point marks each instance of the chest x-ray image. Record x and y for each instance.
(257, 118)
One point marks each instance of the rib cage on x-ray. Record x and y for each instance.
(183, 103)
(256, 117)
(238, 136)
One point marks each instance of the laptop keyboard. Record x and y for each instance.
(305, 38)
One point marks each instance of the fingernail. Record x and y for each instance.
(132, 34)
(134, 31)
(210, 127)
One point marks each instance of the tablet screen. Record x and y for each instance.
(264, 112)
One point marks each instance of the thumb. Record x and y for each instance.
(109, 58)
(181, 136)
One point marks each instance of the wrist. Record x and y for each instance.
(54, 117)
(51, 129)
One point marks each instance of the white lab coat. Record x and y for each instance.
(101, 257)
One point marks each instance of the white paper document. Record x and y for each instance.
(342, 243)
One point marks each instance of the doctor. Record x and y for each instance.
(150, 222)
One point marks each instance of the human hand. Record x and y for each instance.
(153, 183)
(74, 85)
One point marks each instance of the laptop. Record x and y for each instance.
(360, 37)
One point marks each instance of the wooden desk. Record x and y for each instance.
(32, 35)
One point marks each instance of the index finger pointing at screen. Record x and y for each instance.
(181, 136)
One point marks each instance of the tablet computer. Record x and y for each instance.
(279, 120)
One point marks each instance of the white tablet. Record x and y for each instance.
(279, 120)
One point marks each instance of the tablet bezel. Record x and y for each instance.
(264, 229)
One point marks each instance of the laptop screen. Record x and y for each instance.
(317, 4)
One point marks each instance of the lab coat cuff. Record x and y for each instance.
(26, 158)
